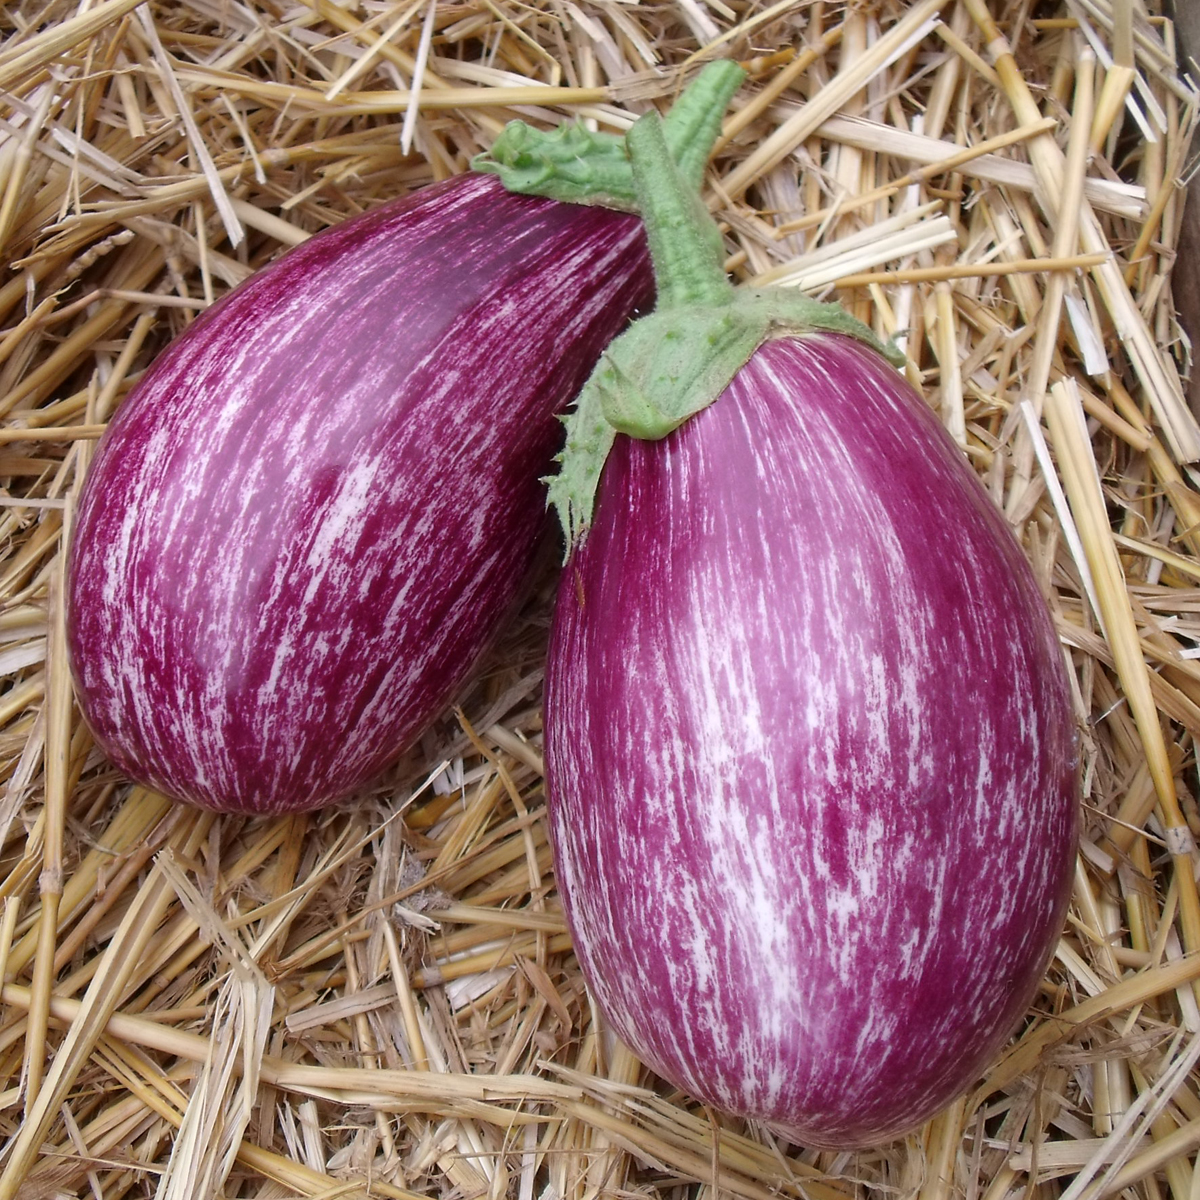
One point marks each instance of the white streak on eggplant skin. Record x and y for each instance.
(811, 760)
(304, 526)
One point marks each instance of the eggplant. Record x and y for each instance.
(300, 531)
(806, 724)
(306, 524)
(811, 759)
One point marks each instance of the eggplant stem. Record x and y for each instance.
(685, 242)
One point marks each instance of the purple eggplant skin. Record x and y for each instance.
(303, 527)
(811, 759)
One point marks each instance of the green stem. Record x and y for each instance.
(685, 242)
(672, 364)
(693, 123)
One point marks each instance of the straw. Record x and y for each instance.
(382, 999)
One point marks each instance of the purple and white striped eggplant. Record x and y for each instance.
(304, 526)
(810, 752)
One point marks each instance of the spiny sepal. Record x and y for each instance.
(672, 364)
(788, 312)
(572, 491)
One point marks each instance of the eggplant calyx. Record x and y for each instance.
(662, 370)
(570, 163)
(580, 166)
(793, 314)
(669, 366)
(672, 364)
(675, 362)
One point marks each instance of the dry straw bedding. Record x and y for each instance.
(381, 1000)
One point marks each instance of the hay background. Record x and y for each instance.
(381, 1000)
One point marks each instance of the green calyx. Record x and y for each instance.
(570, 163)
(645, 385)
(576, 165)
(675, 362)
(672, 364)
